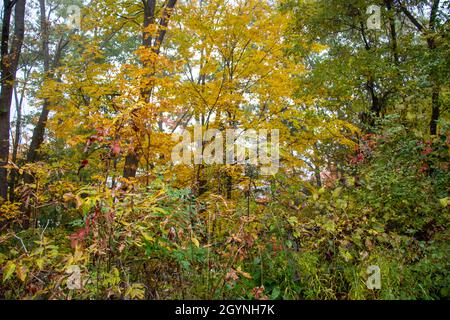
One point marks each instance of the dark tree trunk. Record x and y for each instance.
(229, 185)
(131, 165)
(392, 30)
(376, 105)
(9, 63)
(435, 90)
(5, 100)
(318, 179)
(38, 133)
(435, 109)
(132, 158)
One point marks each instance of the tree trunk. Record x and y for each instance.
(435, 109)
(38, 134)
(17, 134)
(435, 90)
(131, 165)
(133, 157)
(9, 63)
(376, 104)
(39, 130)
(392, 30)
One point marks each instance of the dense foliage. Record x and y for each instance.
(93, 207)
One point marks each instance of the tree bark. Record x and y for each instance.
(133, 157)
(436, 90)
(376, 104)
(392, 30)
(9, 63)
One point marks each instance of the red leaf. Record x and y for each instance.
(115, 148)
(427, 151)
(84, 163)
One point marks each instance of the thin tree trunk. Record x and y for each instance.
(39, 130)
(392, 31)
(435, 90)
(17, 134)
(376, 104)
(435, 108)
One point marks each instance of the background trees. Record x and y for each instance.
(391, 68)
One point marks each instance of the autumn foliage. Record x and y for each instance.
(93, 207)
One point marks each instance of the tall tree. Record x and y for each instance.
(49, 63)
(152, 43)
(9, 62)
(433, 32)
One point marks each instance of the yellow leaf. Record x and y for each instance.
(40, 263)
(67, 197)
(148, 237)
(244, 274)
(195, 241)
(21, 272)
(9, 270)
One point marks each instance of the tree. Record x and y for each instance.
(150, 41)
(9, 62)
(49, 65)
(434, 32)
(390, 70)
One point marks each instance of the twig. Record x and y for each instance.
(21, 241)
(46, 225)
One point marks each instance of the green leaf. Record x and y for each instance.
(275, 293)
(185, 264)
(345, 254)
(289, 243)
